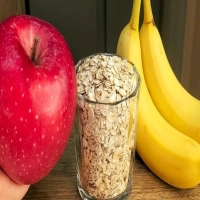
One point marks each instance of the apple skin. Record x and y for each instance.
(37, 98)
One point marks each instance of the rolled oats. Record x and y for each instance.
(106, 135)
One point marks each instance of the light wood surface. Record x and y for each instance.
(60, 184)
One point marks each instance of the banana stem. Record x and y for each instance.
(148, 14)
(135, 16)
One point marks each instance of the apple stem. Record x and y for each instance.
(34, 49)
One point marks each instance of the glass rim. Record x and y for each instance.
(80, 96)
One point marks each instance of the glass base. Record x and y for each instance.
(86, 196)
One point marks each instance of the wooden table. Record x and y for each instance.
(60, 184)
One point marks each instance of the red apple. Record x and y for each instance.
(37, 97)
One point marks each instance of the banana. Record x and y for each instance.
(171, 155)
(175, 104)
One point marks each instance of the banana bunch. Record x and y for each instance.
(174, 103)
(171, 155)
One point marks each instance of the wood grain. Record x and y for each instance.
(172, 32)
(190, 59)
(11, 7)
(60, 184)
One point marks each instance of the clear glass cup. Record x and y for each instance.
(105, 142)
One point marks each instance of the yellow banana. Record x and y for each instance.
(174, 103)
(171, 155)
